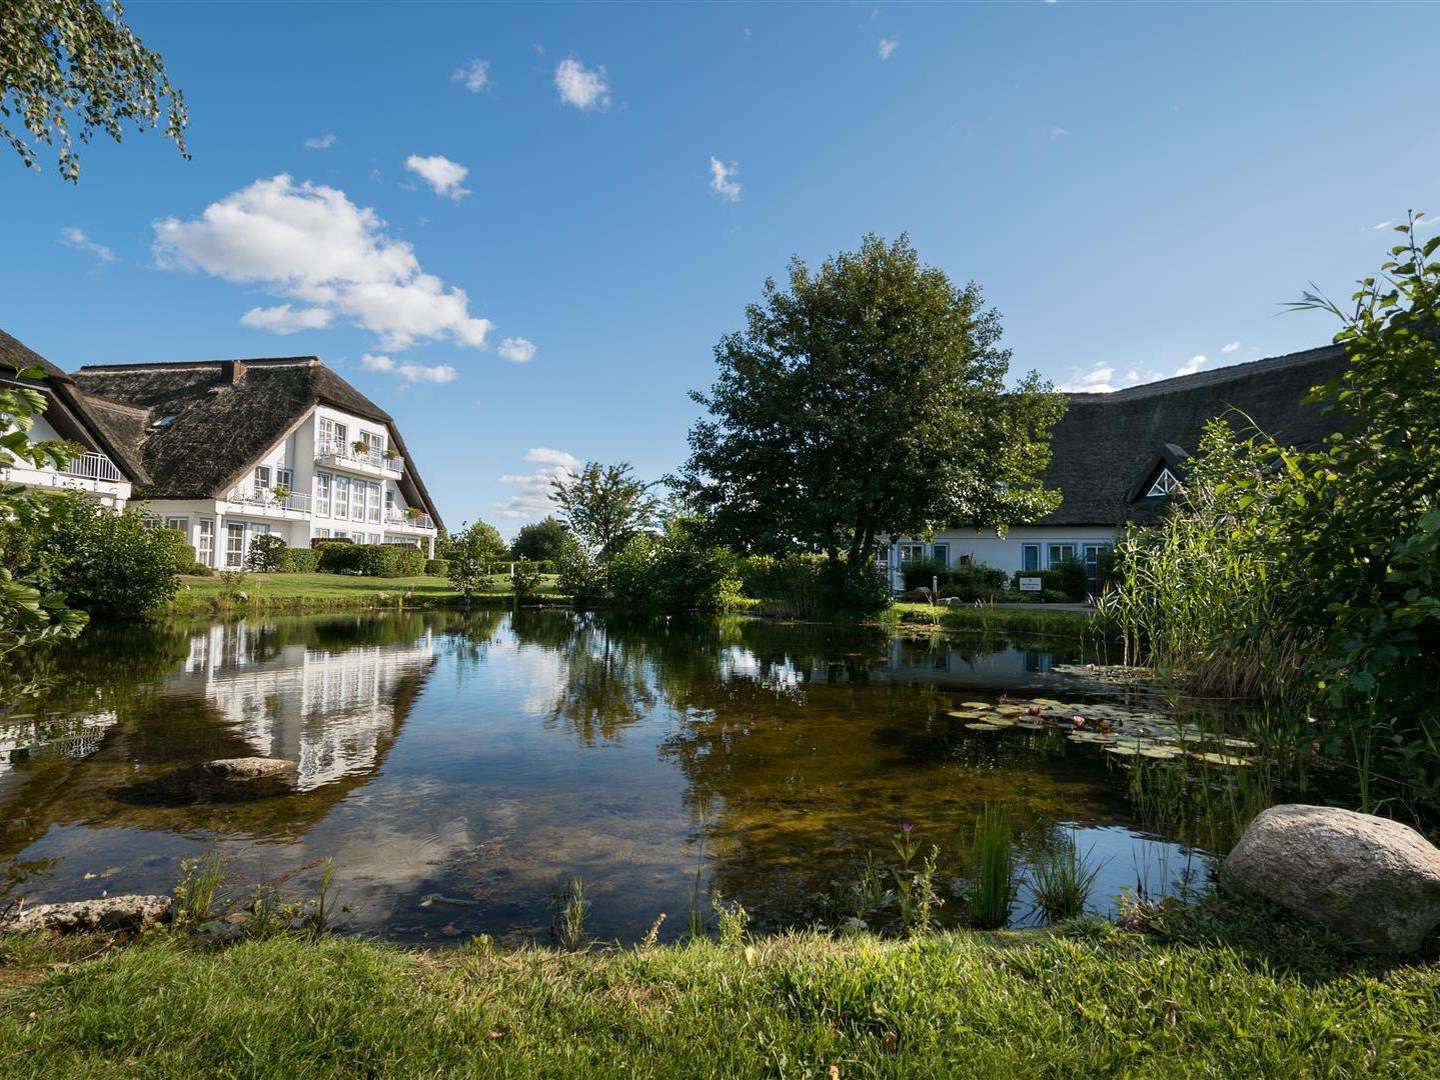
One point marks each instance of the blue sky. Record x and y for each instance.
(1134, 186)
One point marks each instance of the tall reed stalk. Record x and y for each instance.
(992, 870)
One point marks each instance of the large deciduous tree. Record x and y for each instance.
(604, 505)
(540, 541)
(867, 400)
(64, 59)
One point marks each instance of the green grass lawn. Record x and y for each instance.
(1031, 618)
(1097, 1002)
(325, 590)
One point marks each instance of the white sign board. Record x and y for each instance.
(1030, 584)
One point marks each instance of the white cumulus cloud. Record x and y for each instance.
(722, 179)
(442, 174)
(475, 74)
(429, 373)
(283, 319)
(1229, 347)
(585, 88)
(532, 499)
(1191, 366)
(322, 142)
(310, 243)
(517, 350)
(886, 47)
(73, 236)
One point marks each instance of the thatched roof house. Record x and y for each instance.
(206, 423)
(1115, 455)
(102, 427)
(1108, 450)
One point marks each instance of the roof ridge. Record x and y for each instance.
(1227, 373)
(172, 365)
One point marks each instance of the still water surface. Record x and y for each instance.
(487, 758)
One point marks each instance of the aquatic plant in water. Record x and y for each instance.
(1060, 880)
(915, 888)
(992, 870)
(570, 906)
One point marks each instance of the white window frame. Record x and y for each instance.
(941, 554)
(1165, 484)
(323, 488)
(1061, 546)
(372, 503)
(205, 541)
(285, 478)
(911, 553)
(322, 534)
(1025, 550)
(262, 477)
(357, 500)
(231, 550)
(180, 524)
(342, 497)
(333, 434)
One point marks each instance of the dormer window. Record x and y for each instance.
(1165, 484)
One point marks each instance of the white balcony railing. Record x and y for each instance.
(346, 454)
(415, 521)
(93, 467)
(265, 497)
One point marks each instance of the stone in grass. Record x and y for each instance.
(228, 780)
(109, 913)
(1372, 881)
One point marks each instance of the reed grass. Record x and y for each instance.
(1061, 879)
(992, 870)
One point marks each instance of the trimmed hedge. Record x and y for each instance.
(409, 561)
(437, 567)
(370, 560)
(299, 560)
(321, 541)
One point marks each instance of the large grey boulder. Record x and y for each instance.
(1374, 882)
(228, 780)
(109, 913)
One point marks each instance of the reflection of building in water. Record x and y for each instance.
(330, 712)
(914, 662)
(65, 736)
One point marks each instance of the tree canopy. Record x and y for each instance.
(867, 400)
(72, 58)
(604, 505)
(541, 540)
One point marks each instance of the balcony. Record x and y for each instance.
(369, 462)
(265, 499)
(415, 521)
(93, 467)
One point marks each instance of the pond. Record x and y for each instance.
(458, 768)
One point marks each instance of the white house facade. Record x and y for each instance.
(101, 470)
(237, 449)
(1117, 458)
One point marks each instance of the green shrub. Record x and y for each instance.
(787, 586)
(179, 547)
(437, 567)
(300, 560)
(409, 560)
(321, 541)
(1066, 579)
(112, 565)
(525, 581)
(199, 569)
(366, 560)
(583, 577)
(267, 554)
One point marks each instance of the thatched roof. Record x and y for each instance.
(207, 422)
(1109, 447)
(107, 427)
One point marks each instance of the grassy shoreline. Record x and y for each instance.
(300, 593)
(1087, 1000)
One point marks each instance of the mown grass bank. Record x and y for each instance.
(325, 592)
(1030, 619)
(1095, 1002)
